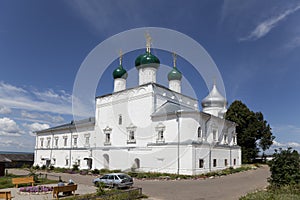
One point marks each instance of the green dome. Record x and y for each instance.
(120, 72)
(174, 74)
(146, 59)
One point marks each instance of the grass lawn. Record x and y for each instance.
(5, 182)
(284, 193)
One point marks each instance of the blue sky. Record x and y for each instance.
(255, 44)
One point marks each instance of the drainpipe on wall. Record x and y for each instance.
(178, 141)
(206, 133)
(70, 153)
(51, 146)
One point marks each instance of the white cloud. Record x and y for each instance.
(42, 117)
(9, 143)
(10, 89)
(9, 127)
(285, 145)
(263, 28)
(35, 127)
(5, 110)
(48, 101)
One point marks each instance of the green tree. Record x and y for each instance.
(253, 131)
(285, 168)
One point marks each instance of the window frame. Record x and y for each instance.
(160, 130)
(131, 131)
(201, 163)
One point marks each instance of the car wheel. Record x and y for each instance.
(97, 184)
(115, 186)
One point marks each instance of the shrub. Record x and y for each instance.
(37, 167)
(51, 167)
(285, 168)
(43, 167)
(75, 167)
(95, 171)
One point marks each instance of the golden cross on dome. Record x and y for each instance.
(120, 56)
(174, 59)
(148, 42)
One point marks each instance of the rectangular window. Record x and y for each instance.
(234, 139)
(215, 135)
(225, 139)
(225, 162)
(75, 141)
(65, 141)
(214, 162)
(234, 161)
(120, 120)
(42, 142)
(87, 141)
(160, 136)
(201, 163)
(67, 162)
(56, 141)
(48, 142)
(199, 132)
(131, 135)
(107, 138)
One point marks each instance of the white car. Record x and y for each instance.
(116, 180)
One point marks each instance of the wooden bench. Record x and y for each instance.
(23, 180)
(5, 195)
(66, 188)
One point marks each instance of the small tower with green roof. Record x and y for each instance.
(147, 65)
(175, 77)
(120, 76)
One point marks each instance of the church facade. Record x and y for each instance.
(146, 128)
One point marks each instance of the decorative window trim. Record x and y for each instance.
(42, 142)
(107, 132)
(48, 142)
(131, 129)
(75, 141)
(215, 137)
(225, 138)
(160, 129)
(87, 140)
(200, 133)
(65, 141)
(234, 138)
(56, 141)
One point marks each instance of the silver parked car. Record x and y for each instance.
(116, 180)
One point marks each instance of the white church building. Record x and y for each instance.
(146, 128)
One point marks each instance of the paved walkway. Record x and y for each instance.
(229, 187)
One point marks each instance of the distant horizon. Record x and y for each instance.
(13, 152)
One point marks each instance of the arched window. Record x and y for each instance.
(200, 132)
(137, 163)
(120, 119)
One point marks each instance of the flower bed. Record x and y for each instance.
(36, 190)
